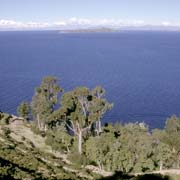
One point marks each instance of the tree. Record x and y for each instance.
(122, 148)
(44, 101)
(136, 148)
(99, 93)
(80, 108)
(24, 110)
(98, 150)
(171, 136)
(163, 156)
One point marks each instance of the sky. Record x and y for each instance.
(61, 13)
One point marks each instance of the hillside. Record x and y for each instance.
(25, 155)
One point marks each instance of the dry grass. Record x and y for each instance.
(22, 131)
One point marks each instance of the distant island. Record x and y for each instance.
(89, 30)
(119, 29)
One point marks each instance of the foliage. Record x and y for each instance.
(45, 100)
(24, 110)
(19, 161)
(128, 148)
(80, 108)
(4, 118)
(35, 128)
(118, 175)
(59, 139)
(170, 136)
(79, 160)
(6, 131)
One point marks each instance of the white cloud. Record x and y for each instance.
(84, 21)
(138, 22)
(76, 22)
(172, 24)
(60, 23)
(20, 25)
(36, 25)
(73, 19)
(10, 23)
(165, 23)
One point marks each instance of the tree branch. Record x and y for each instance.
(83, 108)
(86, 128)
(72, 129)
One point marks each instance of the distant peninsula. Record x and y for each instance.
(119, 29)
(89, 30)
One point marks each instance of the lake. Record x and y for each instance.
(140, 70)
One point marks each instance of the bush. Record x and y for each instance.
(151, 177)
(35, 129)
(4, 118)
(6, 132)
(59, 139)
(77, 159)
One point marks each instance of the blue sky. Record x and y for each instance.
(52, 11)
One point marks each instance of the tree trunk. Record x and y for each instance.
(38, 121)
(67, 148)
(80, 142)
(99, 165)
(99, 127)
(161, 166)
(178, 163)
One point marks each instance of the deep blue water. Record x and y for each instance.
(139, 70)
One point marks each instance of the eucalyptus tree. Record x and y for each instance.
(80, 108)
(44, 100)
(98, 92)
(24, 110)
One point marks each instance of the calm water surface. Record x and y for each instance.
(139, 70)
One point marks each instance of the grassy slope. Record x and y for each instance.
(26, 154)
